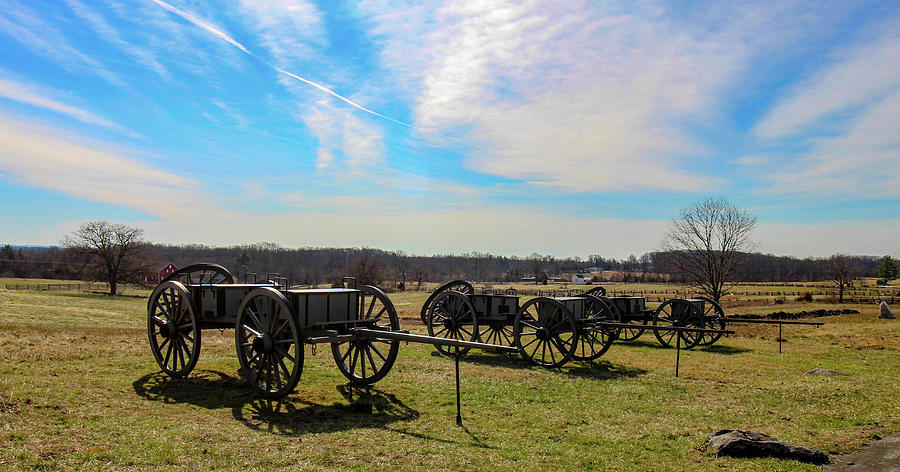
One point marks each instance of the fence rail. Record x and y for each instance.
(663, 295)
(73, 287)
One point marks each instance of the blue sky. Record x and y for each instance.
(568, 128)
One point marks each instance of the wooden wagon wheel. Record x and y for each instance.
(452, 316)
(626, 334)
(594, 341)
(461, 286)
(268, 343)
(544, 332)
(202, 274)
(597, 292)
(352, 357)
(678, 312)
(173, 329)
(496, 332)
(713, 318)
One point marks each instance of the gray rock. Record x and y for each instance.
(821, 371)
(737, 443)
(886, 311)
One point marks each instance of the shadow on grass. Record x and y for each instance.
(291, 416)
(643, 341)
(601, 370)
(493, 359)
(720, 349)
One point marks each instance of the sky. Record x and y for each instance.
(559, 127)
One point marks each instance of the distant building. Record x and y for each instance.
(166, 271)
(582, 279)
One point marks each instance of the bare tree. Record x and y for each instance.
(646, 261)
(706, 245)
(419, 274)
(628, 265)
(366, 268)
(119, 251)
(401, 265)
(842, 269)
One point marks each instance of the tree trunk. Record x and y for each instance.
(113, 279)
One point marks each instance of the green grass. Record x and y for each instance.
(79, 390)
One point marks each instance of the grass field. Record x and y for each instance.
(79, 390)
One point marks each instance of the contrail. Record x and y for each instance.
(193, 19)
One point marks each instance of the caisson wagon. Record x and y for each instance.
(272, 323)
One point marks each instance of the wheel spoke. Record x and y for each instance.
(529, 325)
(281, 328)
(252, 331)
(285, 354)
(383, 358)
(371, 359)
(530, 343)
(371, 306)
(168, 353)
(353, 361)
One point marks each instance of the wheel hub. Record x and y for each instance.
(543, 333)
(169, 330)
(450, 324)
(263, 344)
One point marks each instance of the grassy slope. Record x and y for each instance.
(79, 390)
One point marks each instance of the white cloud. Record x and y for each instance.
(23, 93)
(860, 162)
(24, 25)
(39, 157)
(573, 95)
(856, 156)
(340, 129)
(289, 30)
(856, 77)
(111, 35)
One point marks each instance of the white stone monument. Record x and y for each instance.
(886, 311)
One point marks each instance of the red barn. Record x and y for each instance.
(166, 271)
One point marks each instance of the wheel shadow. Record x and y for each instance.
(722, 349)
(601, 370)
(598, 369)
(291, 416)
(492, 359)
(643, 342)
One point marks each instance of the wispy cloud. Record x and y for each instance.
(24, 25)
(338, 130)
(31, 95)
(38, 156)
(861, 162)
(608, 114)
(856, 77)
(855, 156)
(218, 32)
(112, 35)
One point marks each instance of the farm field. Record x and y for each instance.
(79, 390)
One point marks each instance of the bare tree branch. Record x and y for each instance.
(706, 244)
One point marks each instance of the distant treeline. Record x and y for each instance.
(322, 265)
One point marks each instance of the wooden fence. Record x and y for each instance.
(70, 287)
